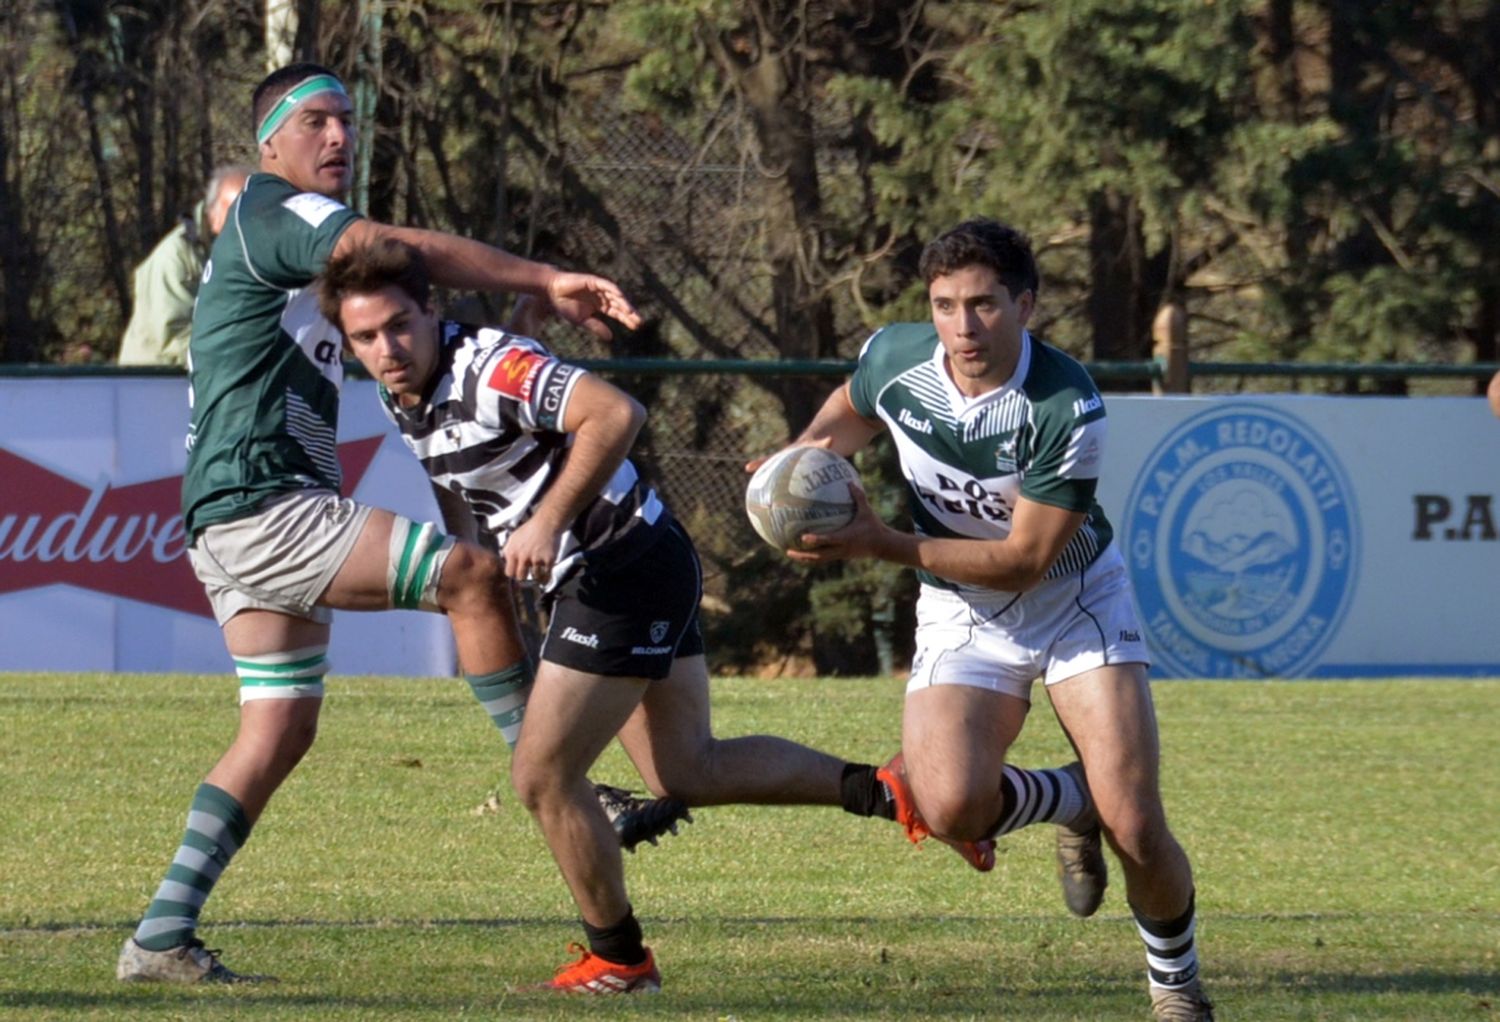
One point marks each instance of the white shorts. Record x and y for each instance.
(1059, 629)
(282, 558)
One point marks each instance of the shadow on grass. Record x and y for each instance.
(1419, 981)
(164, 997)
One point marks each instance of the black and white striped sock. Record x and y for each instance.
(1171, 956)
(1037, 796)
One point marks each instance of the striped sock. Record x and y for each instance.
(503, 695)
(1171, 956)
(216, 829)
(1037, 796)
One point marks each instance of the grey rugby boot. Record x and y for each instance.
(1184, 1004)
(640, 819)
(1080, 855)
(186, 963)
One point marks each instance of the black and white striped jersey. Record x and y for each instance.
(489, 429)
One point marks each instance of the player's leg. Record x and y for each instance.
(571, 716)
(671, 742)
(411, 565)
(1109, 716)
(966, 700)
(954, 738)
(264, 575)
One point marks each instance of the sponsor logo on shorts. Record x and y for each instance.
(649, 650)
(574, 635)
(1242, 540)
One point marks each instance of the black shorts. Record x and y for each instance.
(631, 619)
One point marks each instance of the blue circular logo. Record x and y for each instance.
(1241, 537)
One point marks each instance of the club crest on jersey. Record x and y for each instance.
(515, 374)
(1005, 455)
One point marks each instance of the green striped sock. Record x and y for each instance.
(216, 829)
(503, 695)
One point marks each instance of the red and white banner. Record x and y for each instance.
(93, 569)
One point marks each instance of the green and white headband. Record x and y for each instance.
(305, 90)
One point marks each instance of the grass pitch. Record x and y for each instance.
(1346, 838)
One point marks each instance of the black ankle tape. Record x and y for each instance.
(620, 943)
(862, 794)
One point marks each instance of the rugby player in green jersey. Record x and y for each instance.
(274, 543)
(1000, 439)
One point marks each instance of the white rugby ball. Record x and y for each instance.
(799, 490)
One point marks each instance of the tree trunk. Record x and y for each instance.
(18, 340)
(1127, 284)
(772, 83)
(83, 82)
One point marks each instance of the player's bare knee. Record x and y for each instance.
(538, 785)
(1139, 835)
(957, 815)
(473, 583)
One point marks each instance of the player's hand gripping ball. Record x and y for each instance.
(799, 490)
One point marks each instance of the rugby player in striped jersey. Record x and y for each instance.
(537, 452)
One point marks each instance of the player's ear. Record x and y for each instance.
(1025, 304)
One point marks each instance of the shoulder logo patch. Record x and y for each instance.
(1084, 405)
(515, 373)
(1243, 545)
(312, 207)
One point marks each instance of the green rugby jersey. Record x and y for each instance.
(966, 460)
(264, 366)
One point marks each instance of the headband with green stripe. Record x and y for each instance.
(303, 91)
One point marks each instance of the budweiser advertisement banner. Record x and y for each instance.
(93, 567)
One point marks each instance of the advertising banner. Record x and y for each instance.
(93, 570)
(1298, 536)
(1267, 536)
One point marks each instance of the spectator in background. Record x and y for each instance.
(1494, 395)
(166, 282)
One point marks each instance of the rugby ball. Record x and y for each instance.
(799, 490)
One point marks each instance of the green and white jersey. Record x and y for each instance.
(1040, 435)
(264, 366)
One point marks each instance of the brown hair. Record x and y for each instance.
(983, 242)
(365, 269)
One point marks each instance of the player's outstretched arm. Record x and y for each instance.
(580, 298)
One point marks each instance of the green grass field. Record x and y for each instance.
(1346, 838)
